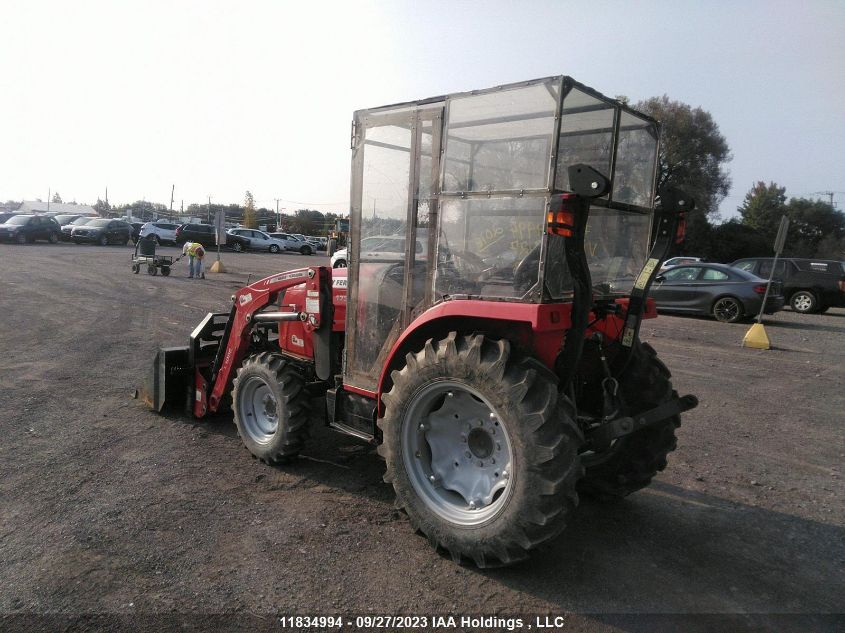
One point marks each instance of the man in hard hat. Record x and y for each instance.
(195, 253)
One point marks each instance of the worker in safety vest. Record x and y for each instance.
(195, 253)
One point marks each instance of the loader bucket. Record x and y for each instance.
(167, 385)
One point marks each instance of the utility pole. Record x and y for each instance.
(278, 217)
(172, 191)
(49, 194)
(209, 210)
(107, 196)
(829, 194)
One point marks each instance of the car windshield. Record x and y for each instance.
(81, 221)
(19, 220)
(99, 222)
(64, 219)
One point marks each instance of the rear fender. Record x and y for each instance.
(536, 328)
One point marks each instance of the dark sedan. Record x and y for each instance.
(102, 231)
(728, 294)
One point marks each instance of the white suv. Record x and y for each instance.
(162, 231)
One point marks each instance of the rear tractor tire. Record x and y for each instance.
(480, 454)
(631, 462)
(271, 407)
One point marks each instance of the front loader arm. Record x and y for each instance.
(247, 306)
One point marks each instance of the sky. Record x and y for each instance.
(218, 98)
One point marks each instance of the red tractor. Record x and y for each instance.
(485, 332)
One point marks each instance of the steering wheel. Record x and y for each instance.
(525, 274)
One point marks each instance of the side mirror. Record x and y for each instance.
(660, 279)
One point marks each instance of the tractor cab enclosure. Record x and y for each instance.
(455, 190)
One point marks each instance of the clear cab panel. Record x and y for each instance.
(449, 199)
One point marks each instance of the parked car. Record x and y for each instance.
(677, 261)
(102, 231)
(728, 294)
(29, 228)
(136, 231)
(293, 244)
(68, 228)
(163, 232)
(810, 285)
(66, 218)
(204, 234)
(380, 248)
(259, 240)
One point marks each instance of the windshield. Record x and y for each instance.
(99, 222)
(19, 220)
(81, 221)
(64, 219)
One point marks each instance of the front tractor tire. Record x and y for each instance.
(271, 407)
(479, 453)
(631, 462)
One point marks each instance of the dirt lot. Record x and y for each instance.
(106, 508)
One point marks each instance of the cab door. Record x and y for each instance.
(392, 163)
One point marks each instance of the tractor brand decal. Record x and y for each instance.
(649, 267)
(246, 298)
(339, 283)
(295, 340)
(296, 275)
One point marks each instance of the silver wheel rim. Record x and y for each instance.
(726, 309)
(802, 303)
(258, 410)
(457, 453)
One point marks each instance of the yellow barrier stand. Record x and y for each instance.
(217, 267)
(756, 337)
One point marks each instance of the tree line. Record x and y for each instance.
(694, 156)
(304, 221)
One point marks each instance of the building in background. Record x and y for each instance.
(54, 208)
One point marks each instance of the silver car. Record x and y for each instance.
(259, 240)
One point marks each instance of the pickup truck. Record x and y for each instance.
(810, 285)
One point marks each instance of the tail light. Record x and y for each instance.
(842, 285)
(561, 217)
(760, 289)
(178, 231)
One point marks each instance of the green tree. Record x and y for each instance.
(693, 152)
(831, 247)
(102, 208)
(811, 221)
(733, 240)
(250, 219)
(763, 207)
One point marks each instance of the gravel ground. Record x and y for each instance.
(111, 516)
